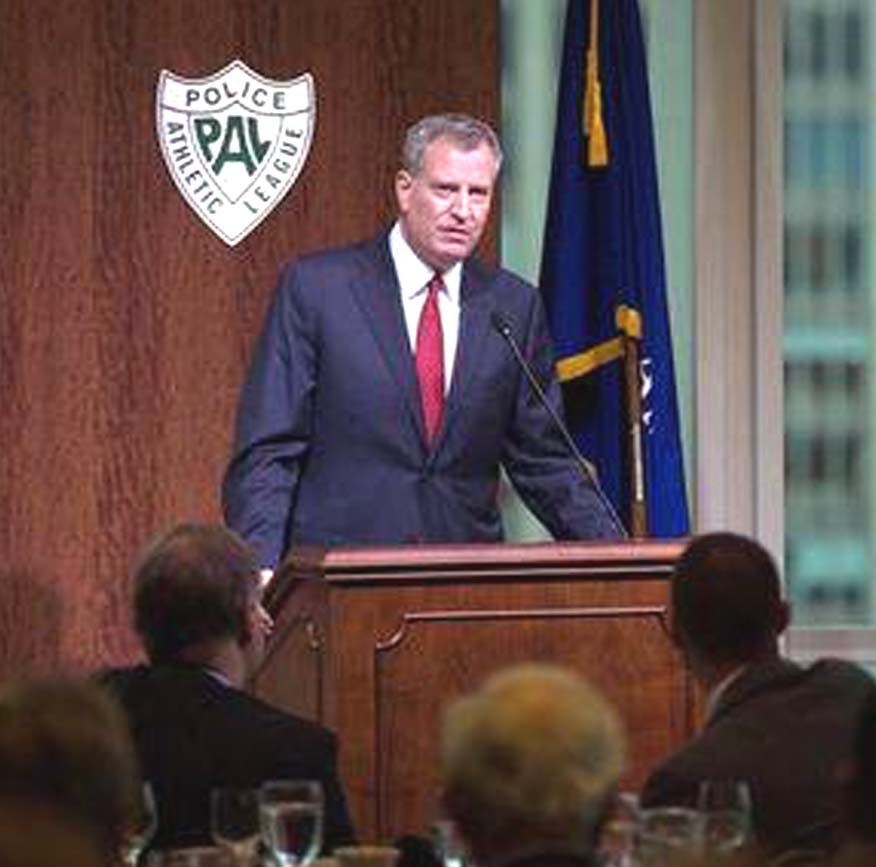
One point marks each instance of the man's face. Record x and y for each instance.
(443, 209)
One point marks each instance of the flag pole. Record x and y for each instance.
(633, 395)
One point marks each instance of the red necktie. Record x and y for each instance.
(430, 359)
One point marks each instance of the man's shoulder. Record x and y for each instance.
(779, 688)
(783, 676)
(509, 291)
(314, 280)
(841, 676)
(124, 680)
(495, 275)
(192, 690)
(274, 721)
(150, 683)
(832, 668)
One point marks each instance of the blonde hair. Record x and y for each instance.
(531, 757)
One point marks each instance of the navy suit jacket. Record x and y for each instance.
(330, 445)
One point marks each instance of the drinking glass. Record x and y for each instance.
(234, 822)
(290, 813)
(619, 832)
(725, 809)
(668, 835)
(447, 844)
(144, 823)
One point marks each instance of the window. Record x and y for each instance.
(829, 287)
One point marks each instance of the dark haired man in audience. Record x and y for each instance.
(782, 727)
(198, 614)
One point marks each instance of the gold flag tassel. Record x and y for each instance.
(594, 128)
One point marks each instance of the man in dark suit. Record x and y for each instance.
(782, 727)
(382, 397)
(198, 614)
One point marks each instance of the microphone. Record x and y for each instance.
(584, 466)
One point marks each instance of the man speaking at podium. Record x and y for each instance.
(385, 390)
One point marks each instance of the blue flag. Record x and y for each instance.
(603, 251)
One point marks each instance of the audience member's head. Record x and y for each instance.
(727, 606)
(34, 833)
(197, 595)
(67, 763)
(529, 764)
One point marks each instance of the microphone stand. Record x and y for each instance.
(583, 464)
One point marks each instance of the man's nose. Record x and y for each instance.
(462, 204)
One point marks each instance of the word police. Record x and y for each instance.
(254, 97)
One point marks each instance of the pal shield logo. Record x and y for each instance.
(234, 142)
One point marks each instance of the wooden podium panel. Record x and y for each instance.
(375, 642)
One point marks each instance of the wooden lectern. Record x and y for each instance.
(375, 642)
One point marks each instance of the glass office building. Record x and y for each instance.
(828, 205)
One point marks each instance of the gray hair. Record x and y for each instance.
(466, 132)
(532, 757)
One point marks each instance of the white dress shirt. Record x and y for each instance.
(414, 276)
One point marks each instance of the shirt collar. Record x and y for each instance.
(414, 274)
(217, 675)
(715, 696)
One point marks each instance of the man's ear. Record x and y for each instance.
(403, 183)
(248, 624)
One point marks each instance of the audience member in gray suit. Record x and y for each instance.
(783, 727)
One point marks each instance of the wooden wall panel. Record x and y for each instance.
(125, 325)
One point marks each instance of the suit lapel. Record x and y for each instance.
(378, 296)
(474, 327)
